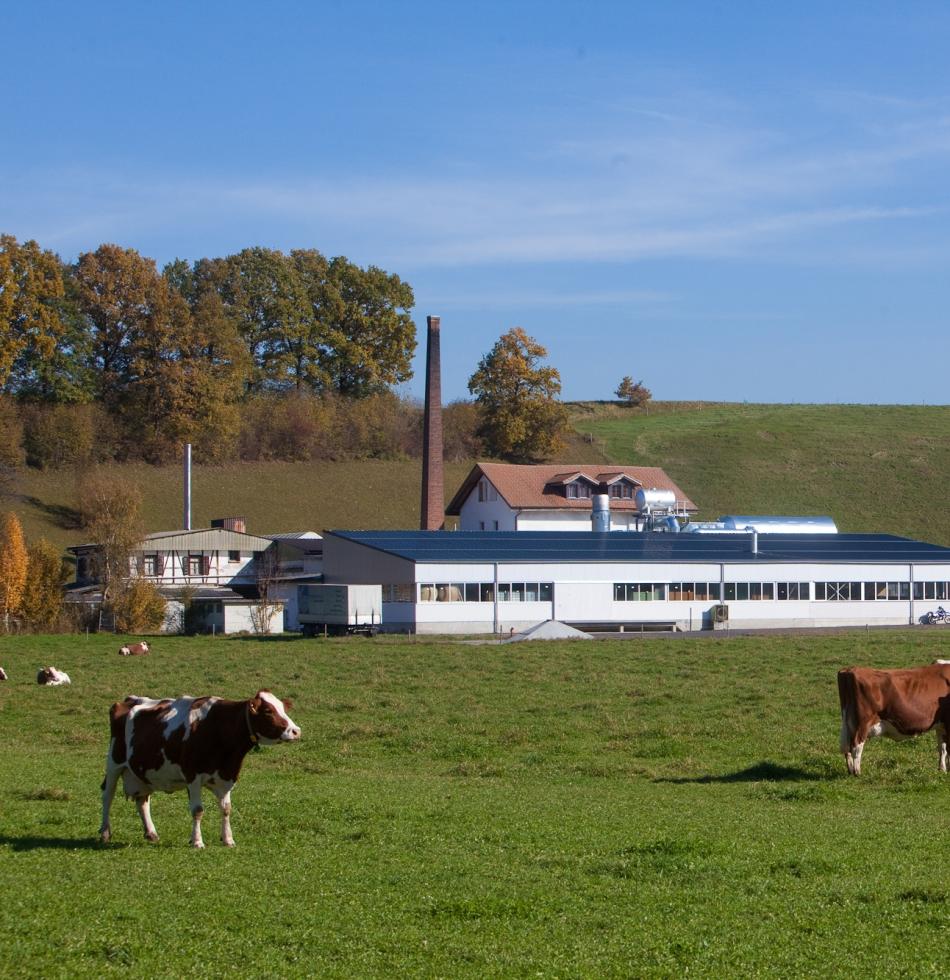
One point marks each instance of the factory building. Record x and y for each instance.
(495, 582)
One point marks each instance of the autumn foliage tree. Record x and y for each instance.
(633, 392)
(47, 573)
(13, 567)
(522, 420)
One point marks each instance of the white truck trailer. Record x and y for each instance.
(340, 609)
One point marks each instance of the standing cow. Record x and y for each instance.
(187, 743)
(895, 703)
(134, 649)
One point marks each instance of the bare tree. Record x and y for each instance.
(266, 604)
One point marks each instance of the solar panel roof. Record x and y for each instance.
(650, 546)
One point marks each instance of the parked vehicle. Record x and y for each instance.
(340, 609)
(940, 616)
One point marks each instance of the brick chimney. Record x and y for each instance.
(433, 491)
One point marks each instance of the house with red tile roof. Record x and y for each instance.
(557, 497)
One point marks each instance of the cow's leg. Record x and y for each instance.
(109, 784)
(224, 802)
(197, 810)
(847, 742)
(143, 805)
(942, 747)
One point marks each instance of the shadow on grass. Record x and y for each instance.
(61, 515)
(761, 772)
(28, 842)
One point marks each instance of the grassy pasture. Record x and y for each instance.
(625, 808)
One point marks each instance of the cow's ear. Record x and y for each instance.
(288, 704)
(255, 704)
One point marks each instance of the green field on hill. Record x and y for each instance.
(870, 467)
(625, 808)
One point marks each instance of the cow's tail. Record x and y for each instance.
(848, 697)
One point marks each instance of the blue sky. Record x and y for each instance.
(729, 201)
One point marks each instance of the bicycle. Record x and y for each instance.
(940, 616)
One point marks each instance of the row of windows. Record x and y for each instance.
(782, 591)
(705, 591)
(153, 563)
(673, 591)
(470, 592)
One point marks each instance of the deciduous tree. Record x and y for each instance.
(633, 392)
(522, 419)
(13, 567)
(109, 507)
(47, 573)
(33, 314)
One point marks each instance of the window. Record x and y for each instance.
(234, 557)
(150, 565)
(496, 525)
(195, 564)
(640, 591)
(486, 492)
(481, 525)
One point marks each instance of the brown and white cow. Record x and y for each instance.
(52, 677)
(3, 674)
(895, 703)
(187, 743)
(134, 649)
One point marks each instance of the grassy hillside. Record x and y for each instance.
(609, 809)
(871, 467)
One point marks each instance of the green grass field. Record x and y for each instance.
(627, 808)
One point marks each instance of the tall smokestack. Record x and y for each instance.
(187, 481)
(433, 491)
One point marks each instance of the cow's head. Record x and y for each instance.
(269, 721)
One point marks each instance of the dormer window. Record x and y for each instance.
(621, 490)
(579, 489)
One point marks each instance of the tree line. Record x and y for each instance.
(170, 356)
(259, 355)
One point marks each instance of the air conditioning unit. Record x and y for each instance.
(721, 613)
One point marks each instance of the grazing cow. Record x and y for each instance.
(3, 674)
(895, 703)
(52, 677)
(187, 743)
(134, 650)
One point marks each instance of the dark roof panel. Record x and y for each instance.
(620, 546)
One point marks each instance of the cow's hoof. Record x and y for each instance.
(228, 843)
(152, 838)
(105, 836)
(198, 845)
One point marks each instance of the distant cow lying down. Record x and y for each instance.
(134, 649)
(894, 703)
(52, 677)
(3, 674)
(187, 743)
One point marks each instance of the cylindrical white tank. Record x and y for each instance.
(769, 524)
(654, 499)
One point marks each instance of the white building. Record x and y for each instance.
(507, 497)
(220, 572)
(460, 582)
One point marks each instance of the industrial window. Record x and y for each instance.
(930, 590)
(792, 590)
(234, 556)
(639, 591)
(482, 592)
(869, 591)
(398, 593)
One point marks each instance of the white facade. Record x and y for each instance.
(497, 597)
